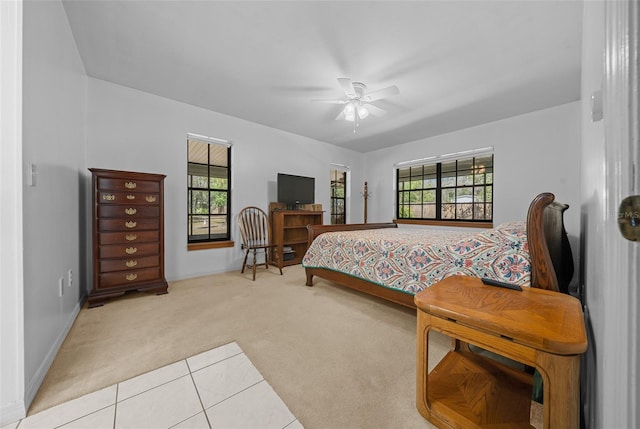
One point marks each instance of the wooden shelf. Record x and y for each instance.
(289, 228)
(291, 242)
(479, 392)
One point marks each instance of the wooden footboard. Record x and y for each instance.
(315, 230)
(351, 281)
(361, 285)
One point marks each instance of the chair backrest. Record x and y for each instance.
(254, 227)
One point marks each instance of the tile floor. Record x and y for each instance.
(219, 388)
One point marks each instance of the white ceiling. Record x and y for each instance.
(457, 63)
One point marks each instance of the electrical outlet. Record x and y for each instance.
(61, 285)
(69, 277)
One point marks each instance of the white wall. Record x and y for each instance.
(137, 131)
(593, 200)
(54, 110)
(533, 153)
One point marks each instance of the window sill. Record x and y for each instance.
(450, 223)
(210, 245)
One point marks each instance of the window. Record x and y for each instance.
(208, 189)
(338, 192)
(458, 189)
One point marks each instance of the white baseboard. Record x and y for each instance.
(35, 383)
(12, 412)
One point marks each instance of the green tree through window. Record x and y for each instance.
(451, 190)
(338, 198)
(208, 189)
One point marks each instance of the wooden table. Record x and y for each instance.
(538, 328)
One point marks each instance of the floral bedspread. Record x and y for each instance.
(410, 260)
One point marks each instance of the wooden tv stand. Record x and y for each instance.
(539, 328)
(289, 230)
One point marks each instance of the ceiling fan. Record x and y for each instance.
(358, 103)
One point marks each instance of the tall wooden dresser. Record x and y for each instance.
(128, 234)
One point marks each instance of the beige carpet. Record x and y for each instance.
(337, 358)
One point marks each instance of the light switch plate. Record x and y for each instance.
(32, 174)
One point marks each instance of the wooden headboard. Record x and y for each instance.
(551, 257)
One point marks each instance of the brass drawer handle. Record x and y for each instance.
(130, 237)
(130, 211)
(150, 199)
(108, 197)
(131, 250)
(130, 185)
(132, 263)
(130, 224)
(131, 197)
(131, 277)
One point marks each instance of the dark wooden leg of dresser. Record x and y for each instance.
(161, 291)
(92, 303)
(99, 300)
(158, 290)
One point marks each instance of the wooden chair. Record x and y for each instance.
(256, 235)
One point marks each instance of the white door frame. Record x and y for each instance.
(618, 394)
(12, 406)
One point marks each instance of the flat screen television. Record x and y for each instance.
(294, 190)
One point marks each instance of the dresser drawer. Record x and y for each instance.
(125, 278)
(108, 197)
(124, 224)
(128, 237)
(107, 265)
(126, 211)
(128, 250)
(132, 185)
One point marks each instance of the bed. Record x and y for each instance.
(396, 263)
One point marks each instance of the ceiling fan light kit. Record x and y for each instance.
(352, 108)
(349, 112)
(358, 103)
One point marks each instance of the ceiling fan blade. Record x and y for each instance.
(330, 101)
(382, 93)
(347, 85)
(375, 111)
